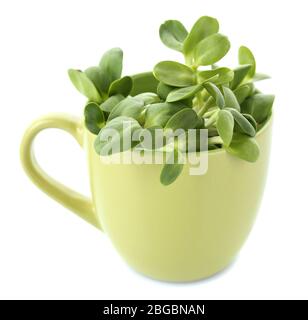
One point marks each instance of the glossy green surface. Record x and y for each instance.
(186, 231)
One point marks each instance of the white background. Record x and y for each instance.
(47, 252)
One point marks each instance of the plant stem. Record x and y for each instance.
(210, 113)
(211, 120)
(199, 100)
(205, 107)
(215, 140)
(188, 61)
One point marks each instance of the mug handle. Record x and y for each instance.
(69, 198)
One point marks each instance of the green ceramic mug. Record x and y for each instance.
(187, 231)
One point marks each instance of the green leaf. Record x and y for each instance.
(144, 82)
(200, 124)
(260, 77)
(129, 107)
(172, 33)
(171, 171)
(214, 91)
(157, 141)
(163, 90)
(243, 92)
(204, 27)
(174, 74)
(239, 74)
(121, 86)
(243, 123)
(245, 56)
(244, 147)
(230, 99)
(184, 93)
(211, 49)
(116, 136)
(214, 141)
(251, 119)
(225, 75)
(111, 102)
(210, 118)
(225, 125)
(183, 119)
(84, 85)
(158, 114)
(95, 75)
(148, 97)
(94, 117)
(111, 66)
(259, 106)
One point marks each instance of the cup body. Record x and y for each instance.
(188, 230)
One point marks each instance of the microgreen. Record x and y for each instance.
(158, 114)
(243, 92)
(230, 99)
(240, 73)
(194, 94)
(94, 117)
(259, 106)
(225, 125)
(203, 28)
(174, 74)
(244, 147)
(107, 142)
(183, 93)
(211, 49)
(111, 67)
(121, 86)
(183, 119)
(84, 85)
(245, 56)
(172, 169)
(215, 92)
(111, 102)
(172, 34)
(129, 107)
(102, 85)
(224, 75)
